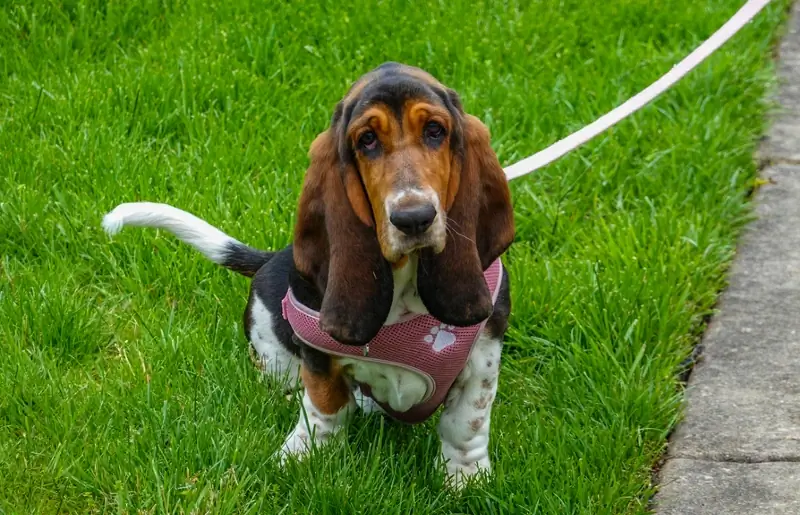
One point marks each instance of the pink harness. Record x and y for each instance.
(419, 343)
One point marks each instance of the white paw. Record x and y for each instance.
(441, 336)
(297, 445)
(460, 474)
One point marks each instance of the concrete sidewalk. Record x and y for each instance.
(738, 449)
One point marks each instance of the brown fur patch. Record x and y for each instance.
(359, 201)
(482, 401)
(495, 228)
(476, 423)
(328, 392)
(482, 214)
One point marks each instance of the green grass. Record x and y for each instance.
(125, 383)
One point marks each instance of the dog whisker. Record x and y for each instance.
(451, 230)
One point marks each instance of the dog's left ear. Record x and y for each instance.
(480, 227)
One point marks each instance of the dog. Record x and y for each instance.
(392, 296)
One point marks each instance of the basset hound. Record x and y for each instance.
(392, 296)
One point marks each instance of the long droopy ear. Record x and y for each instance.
(480, 227)
(336, 247)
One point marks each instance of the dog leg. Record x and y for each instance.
(277, 363)
(266, 351)
(327, 402)
(464, 424)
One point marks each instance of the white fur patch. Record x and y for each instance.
(398, 242)
(396, 386)
(366, 404)
(190, 229)
(405, 299)
(274, 358)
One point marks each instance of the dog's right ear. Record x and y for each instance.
(336, 246)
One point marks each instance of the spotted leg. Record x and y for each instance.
(464, 424)
(327, 402)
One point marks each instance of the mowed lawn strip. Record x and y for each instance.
(125, 382)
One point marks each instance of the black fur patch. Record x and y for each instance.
(245, 260)
(498, 322)
(270, 285)
(393, 88)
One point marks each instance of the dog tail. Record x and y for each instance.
(210, 241)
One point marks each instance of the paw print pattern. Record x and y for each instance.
(441, 336)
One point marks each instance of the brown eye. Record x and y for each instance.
(434, 132)
(368, 141)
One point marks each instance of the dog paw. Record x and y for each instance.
(296, 445)
(299, 442)
(459, 474)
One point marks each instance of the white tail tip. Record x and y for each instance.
(209, 240)
(113, 222)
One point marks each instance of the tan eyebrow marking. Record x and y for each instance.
(420, 112)
(376, 117)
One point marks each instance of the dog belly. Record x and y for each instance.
(396, 386)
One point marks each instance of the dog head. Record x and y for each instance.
(402, 169)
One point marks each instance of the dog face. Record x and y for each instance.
(402, 169)
(396, 130)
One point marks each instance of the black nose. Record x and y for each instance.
(413, 220)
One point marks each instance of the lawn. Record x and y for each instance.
(125, 382)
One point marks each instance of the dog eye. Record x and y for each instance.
(368, 141)
(434, 131)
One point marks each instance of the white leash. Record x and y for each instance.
(633, 104)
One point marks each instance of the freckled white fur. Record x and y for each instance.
(209, 240)
(464, 424)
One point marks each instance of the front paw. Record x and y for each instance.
(460, 472)
(296, 445)
(299, 443)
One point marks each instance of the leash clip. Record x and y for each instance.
(366, 350)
